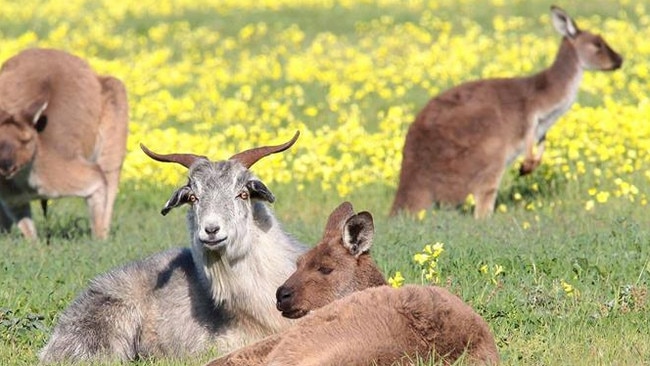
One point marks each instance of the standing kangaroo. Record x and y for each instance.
(464, 139)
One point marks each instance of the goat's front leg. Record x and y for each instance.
(532, 160)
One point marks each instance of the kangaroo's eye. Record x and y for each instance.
(243, 195)
(325, 270)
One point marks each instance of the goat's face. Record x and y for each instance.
(18, 140)
(223, 196)
(332, 268)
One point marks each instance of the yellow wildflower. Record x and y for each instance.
(397, 280)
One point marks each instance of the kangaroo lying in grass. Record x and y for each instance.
(352, 318)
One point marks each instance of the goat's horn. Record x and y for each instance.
(185, 160)
(250, 157)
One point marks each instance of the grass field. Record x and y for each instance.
(560, 271)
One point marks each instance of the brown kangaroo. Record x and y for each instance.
(464, 139)
(352, 318)
(63, 132)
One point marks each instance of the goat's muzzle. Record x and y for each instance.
(214, 245)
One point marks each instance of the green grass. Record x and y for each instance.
(604, 256)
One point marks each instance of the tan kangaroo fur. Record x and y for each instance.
(373, 325)
(464, 139)
(63, 132)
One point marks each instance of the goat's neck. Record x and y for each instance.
(246, 286)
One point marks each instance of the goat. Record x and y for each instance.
(63, 132)
(464, 139)
(352, 318)
(220, 292)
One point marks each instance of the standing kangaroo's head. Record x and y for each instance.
(19, 130)
(18, 136)
(592, 50)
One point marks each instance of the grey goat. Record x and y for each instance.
(218, 293)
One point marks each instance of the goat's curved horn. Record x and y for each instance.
(185, 160)
(250, 157)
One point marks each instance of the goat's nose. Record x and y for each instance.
(212, 229)
(283, 294)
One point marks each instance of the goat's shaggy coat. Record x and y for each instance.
(218, 293)
(464, 139)
(372, 326)
(63, 132)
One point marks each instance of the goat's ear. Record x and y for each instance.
(259, 191)
(178, 198)
(358, 233)
(563, 22)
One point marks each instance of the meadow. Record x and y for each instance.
(560, 271)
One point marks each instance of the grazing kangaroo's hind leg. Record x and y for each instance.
(113, 129)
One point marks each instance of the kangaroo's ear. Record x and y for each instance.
(563, 22)
(358, 233)
(259, 191)
(337, 219)
(181, 196)
(35, 110)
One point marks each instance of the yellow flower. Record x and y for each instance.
(569, 290)
(498, 269)
(421, 258)
(397, 280)
(469, 200)
(421, 214)
(602, 197)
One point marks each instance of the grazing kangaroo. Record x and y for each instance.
(352, 318)
(63, 132)
(464, 139)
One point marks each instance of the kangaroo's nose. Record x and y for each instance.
(283, 296)
(6, 157)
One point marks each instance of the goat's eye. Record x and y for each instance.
(325, 270)
(192, 198)
(243, 195)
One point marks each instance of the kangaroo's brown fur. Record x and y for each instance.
(464, 139)
(63, 132)
(371, 326)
